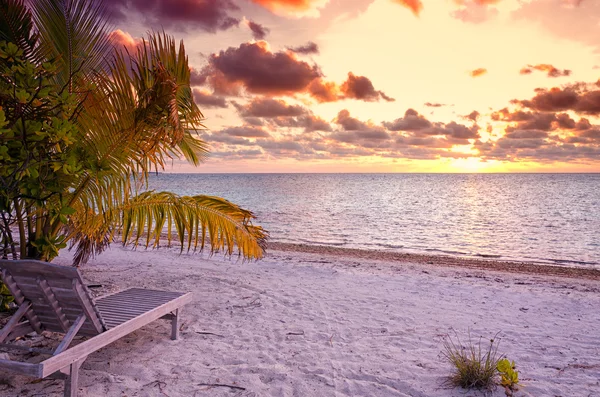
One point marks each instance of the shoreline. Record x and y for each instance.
(442, 260)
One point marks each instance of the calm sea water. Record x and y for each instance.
(551, 218)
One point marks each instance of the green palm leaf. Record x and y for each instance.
(132, 114)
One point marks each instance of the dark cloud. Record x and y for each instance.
(205, 99)
(277, 112)
(259, 32)
(306, 49)
(434, 105)
(473, 116)
(270, 108)
(550, 70)
(208, 15)
(565, 121)
(246, 131)
(355, 87)
(197, 77)
(478, 72)
(254, 67)
(360, 87)
(580, 98)
(411, 121)
(526, 120)
(258, 70)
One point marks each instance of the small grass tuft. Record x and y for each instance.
(474, 365)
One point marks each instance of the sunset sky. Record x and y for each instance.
(387, 85)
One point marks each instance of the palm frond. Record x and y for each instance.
(16, 26)
(196, 220)
(75, 32)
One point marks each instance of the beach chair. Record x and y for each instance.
(53, 298)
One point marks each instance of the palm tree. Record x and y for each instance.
(82, 124)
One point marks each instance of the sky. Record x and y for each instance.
(386, 85)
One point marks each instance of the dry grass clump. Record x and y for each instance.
(474, 365)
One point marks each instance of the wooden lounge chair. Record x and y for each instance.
(54, 298)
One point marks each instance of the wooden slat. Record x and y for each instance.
(34, 370)
(88, 308)
(135, 300)
(56, 282)
(14, 320)
(129, 305)
(21, 329)
(118, 310)
(71, 388)
(117, 318)
(83, 349)
(19, 298)
(27, 267)
(70, 335)
(175, 324)
(53, 303)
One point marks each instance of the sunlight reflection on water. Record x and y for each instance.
(553, 218)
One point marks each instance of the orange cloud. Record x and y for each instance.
(299, 5)
(478, 2)
(549, 69)
(416, 6)
(478, 72)
(293, 7)
(122, 39)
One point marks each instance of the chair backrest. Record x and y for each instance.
(57, 295)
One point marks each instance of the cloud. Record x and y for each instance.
(123, 39)
(208, 15)
(473, 116)
(360, 87)
(306, 49)
(355, 87)
(434, 104)
(263, 111)
(254, 67)
(258, 70)
(270, 108)
(549, 69)
(246, 131)
(294, 8)
(259, 32)
(416, 6)
(476, 11)
(197, 77)
(527, 120)
(578, 97)
(570, 20)
(478, 72)
(205, 99)
(478, 2)
(411, 121)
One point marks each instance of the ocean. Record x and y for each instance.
(545, 218)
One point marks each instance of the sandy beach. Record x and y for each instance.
(336, 323)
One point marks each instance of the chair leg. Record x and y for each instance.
(71, 388)
(175, 325)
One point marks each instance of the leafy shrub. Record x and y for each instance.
(509, 377)
(5, 298)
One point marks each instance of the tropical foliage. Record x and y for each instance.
(82, 124)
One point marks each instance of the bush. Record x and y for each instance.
(475, 367)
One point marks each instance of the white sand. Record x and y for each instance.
(319, 325)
